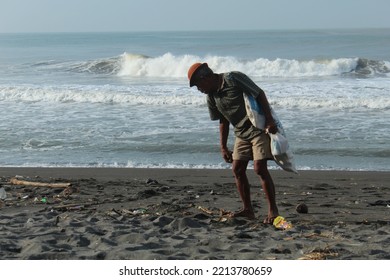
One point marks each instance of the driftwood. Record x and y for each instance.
(15, 181)
(74, 206)
(204, 209)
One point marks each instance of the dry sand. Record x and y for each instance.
(180, 214)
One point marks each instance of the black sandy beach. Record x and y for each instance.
(181, 214)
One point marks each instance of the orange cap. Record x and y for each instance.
(193, 69)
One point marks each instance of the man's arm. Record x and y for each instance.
(224, 134)
(251, 88)
(269, 120)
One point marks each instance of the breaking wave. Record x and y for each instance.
(178, 95)
(171, 66)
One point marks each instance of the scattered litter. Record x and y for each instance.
(29, 222)
(139, 211)
(3, 194)
(281, 223)
(151, 182)
(120, 213)
(206, 210)
(72, 207)
(319, 254)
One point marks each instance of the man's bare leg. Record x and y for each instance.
(243, 187)
(268, 186)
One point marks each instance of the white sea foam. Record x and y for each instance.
(139, 95)
(329, 95)
(169, 65)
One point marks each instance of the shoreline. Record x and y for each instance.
(130, 213)
(102, 173)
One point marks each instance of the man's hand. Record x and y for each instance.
(271, 127)
(227, 155)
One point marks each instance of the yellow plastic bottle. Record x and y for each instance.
(281, 223)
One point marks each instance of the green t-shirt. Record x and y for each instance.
(229, 102)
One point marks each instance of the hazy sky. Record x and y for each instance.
(157, 15)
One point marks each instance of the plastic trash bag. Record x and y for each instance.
(279, 144)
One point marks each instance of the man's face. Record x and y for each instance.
(205, 85)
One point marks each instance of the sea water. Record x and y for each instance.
(123, 99)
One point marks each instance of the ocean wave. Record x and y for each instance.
(108, 66)
(367, 67)
(137, 95)
(171, 66)
(217, 166)
(299, 97)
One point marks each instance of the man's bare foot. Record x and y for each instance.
(272, 214)
(269, 220)
(243, 213)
